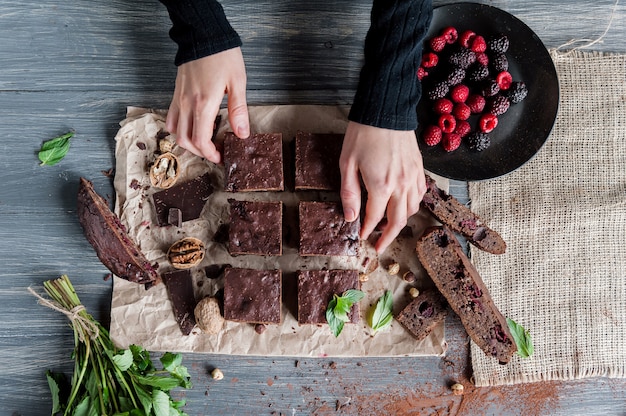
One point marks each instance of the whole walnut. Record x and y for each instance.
(208, 316)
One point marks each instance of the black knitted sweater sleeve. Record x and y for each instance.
(388, 89)
(199, 28)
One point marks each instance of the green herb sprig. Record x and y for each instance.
(107, 380)
(339, 307)
(53, 150)
(522, 339)
(381, 315)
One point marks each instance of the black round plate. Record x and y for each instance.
(525, 127)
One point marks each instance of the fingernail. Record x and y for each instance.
(350, 215)
(243, 131)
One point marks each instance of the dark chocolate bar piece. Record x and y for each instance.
(189, 197)
(180, 289)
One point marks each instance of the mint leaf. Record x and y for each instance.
(382, 314)
(163, 383)
(160, 403)
(55, 389)
(339, 307)
(522, 339)
(123, 360)
(53, 150)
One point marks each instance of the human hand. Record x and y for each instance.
(200, 88)
(390, 164)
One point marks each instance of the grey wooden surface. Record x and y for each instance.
(78, 64)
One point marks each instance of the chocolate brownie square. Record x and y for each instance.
(317, 161)
(255, 228)
(189, 197)
(423, 313)
(317, 287)
(179, 284)
(252, 296)
(325, 232)
(255, 163)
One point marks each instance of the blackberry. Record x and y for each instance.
(498, 105)
(517, 92)
(498, 43)
(499, 62)
(462, 57)
(439, 90)
(478, 141)
(477, 72)
(490, 88)
(456, 75)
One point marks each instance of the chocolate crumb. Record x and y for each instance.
(259, 328)
(134, 184)
(141, 145)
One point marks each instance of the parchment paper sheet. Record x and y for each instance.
(145, 317)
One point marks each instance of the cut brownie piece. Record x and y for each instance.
(325, 232)
(423, 313)
(189, 197)
(255, 228)
(317, 161)
(114, 247)
(451, 212)
(180, 290)
(255, 163)
(459, 282)
(252, 296)
(316, 289)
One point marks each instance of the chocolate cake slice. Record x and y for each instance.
(423, 314)
(189, 198)
(179, 285)
(459, 282)
(317, 161)
(252, 296)
(325, 232)
(255, 163)
(451, 212)
(108, 236)
(316, 289)
(255, 227)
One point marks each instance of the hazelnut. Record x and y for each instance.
(457, 389)
(208, 316)
(217, 374)
(409, 277)
(363, 277)
(414, 292)
(393, 269)
(164, 171)
(186, 253)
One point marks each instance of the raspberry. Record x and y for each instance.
(504, 80)
(476, 103)
(487, 123)
(451, 141)
(459, 93)
(440, 90)
(429, 60)
(482, 58)
(466, 38)
(490, 88)
(462, 57)
(447, 123)
(498, 105)
(478, 44)
(432, 135)
(450, 34)
(461, 111)
(437, 43)
(499, 62)
(498, 43)
(443, 106)
(463, 128)
(456, 76)
(421, 73)
(478, 141)
(477, 72)
(517, 92)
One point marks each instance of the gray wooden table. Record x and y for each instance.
(78, 64)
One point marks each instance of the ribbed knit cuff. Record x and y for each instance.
(388, 89)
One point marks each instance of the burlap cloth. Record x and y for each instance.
(563, 215)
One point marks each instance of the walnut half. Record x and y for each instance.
(164, 171)
(186, 253)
